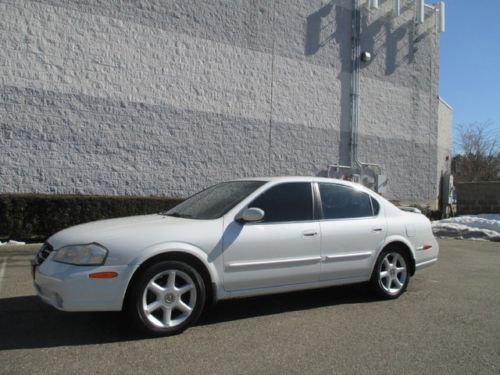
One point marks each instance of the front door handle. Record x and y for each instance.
(309, 233)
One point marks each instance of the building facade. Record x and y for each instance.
(167, 97)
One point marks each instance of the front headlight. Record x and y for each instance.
(90, 254)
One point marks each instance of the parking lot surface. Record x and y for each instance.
(448, 322)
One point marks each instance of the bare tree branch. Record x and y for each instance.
(479, 157)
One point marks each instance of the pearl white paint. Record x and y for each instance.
(242, 259)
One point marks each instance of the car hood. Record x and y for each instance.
(132, 234)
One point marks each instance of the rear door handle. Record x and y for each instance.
(377, 229)
(309, 233)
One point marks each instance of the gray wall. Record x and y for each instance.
(167, 97)
(445, 119)
(399, 91)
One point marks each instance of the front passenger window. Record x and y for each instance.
(286, 202)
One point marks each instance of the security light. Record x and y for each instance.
(366, 56)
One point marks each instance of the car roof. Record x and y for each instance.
(388, 205)
(301, 179)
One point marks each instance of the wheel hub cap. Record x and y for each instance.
(169, 298)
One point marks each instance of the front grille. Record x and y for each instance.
(43, 253)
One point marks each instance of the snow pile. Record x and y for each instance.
(471, 227)
(12, 242)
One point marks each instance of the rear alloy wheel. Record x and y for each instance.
(167, 298)
(390, 276)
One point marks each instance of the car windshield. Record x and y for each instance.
(215, 201)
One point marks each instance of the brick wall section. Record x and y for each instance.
(478, 197)
(166, 97)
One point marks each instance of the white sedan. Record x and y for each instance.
(239, 238)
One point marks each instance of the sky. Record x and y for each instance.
(470, 62)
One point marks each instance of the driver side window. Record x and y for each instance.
(286, 202)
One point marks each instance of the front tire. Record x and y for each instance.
(167, 298)
(391, 274)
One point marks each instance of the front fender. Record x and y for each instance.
(163, 248)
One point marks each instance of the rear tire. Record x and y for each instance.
(391, 273)
(167, 298)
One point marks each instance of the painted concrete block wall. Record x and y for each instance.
(167, 97)
(445, 122)
(398, 101)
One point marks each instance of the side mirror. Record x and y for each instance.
(249, 215)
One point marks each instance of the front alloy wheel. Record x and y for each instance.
(167, 298)
(390, 276)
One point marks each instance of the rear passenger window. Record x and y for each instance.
(344, 202)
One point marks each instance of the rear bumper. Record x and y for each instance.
(426, 256)
(69, 288)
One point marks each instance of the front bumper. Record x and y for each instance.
(69, 288)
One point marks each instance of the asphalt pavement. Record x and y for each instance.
(448, 322)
